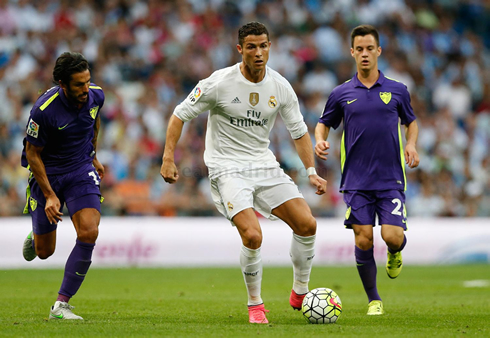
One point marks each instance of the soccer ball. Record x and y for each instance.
(321, 306)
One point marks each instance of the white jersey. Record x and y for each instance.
(241, 115)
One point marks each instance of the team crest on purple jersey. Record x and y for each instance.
(385, 97)
(33, 203)
(93, 111)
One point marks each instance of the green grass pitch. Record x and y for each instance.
(211, 302)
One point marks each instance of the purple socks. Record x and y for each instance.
(366, 266)
(75, 270)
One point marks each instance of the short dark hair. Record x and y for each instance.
(67, 64)
(364, 30)
(251, 28)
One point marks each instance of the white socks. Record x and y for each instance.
(251, 263)
(302, 253)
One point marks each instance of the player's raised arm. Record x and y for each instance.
(411, 155)
(168, 170)
(321, 135)
(305, 151)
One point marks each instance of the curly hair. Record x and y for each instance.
(67, 64)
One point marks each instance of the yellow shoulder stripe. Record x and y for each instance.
(51, 99)
(95, 87)
(389, 78)
(348, 80)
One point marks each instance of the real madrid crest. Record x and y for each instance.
(230, 206)
(253, 99)
(272, 102)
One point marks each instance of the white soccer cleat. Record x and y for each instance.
(62, 310)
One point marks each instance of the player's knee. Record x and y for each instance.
(252, 239)
(394, 241)
(364, 242)
(308, 227)
(88, 234)
(43, 253)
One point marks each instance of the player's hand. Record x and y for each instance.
(169, 171)
(321, 149)
(411, 156)
(319, 183)
(99, 167)
(52, 209)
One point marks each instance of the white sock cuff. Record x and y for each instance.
(304, 240)
(250, 253)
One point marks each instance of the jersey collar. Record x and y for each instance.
(244, 79)
(379, 82)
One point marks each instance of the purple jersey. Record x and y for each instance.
(64, 131)
(372, 155)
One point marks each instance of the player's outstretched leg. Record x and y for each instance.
(62, 310)
(394, 262)
(302, 252)
(256, 314)
(28, 250)
(76, 268)
(375, 308)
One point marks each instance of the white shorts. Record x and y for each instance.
(261, 189)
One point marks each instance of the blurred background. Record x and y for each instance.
(148, 55)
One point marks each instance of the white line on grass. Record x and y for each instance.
(477, 283)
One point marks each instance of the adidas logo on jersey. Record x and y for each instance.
(236, 100)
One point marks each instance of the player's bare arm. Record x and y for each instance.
(169, 170)
(321, 135)
(52, 208)
(305, 151)
(411, 155)
(98, 166)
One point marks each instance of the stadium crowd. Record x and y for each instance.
(148, 55)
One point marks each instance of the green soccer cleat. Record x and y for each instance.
(62, 310)
(394, 264)
(28, 251)
(375, 308)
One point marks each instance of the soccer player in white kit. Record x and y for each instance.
(243, 101)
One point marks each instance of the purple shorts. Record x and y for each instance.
(79, 190)
(364, 205)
